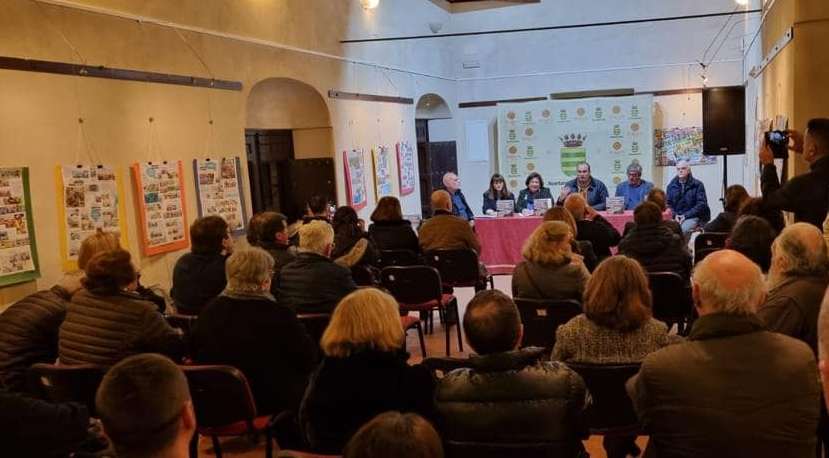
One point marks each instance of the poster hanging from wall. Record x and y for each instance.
(355, 178)
(383, 179)
(673, 145)
(406, 168)
(159, 198)
(219, 191)
(18, 250)
(552, 137)
(89, 198)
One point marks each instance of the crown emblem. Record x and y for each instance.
(573, 140)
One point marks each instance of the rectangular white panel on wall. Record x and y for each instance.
(477, 140)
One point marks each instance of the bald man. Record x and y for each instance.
(798, 277)
(445, 231)
(459, 206)
(732, 389)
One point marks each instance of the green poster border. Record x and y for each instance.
(31, 275)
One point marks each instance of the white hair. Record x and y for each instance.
(802, 249)
(315, 237)
(247, 269)
(722, 293)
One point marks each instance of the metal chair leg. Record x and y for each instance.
(446, 329)
(422, 340)
(194, 446)
(458, 325)
(268, 443)
(217, 448)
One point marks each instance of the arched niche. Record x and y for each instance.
(432, 106)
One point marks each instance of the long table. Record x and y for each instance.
(502, 238)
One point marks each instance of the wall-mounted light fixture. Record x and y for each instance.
(369, 4)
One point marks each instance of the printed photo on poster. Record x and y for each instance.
(406, 168)
(355, 178)
(159, 193)
(673, 145)
(18, 254)
(383, 179)
(219, 191)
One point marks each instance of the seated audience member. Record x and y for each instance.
(313, 283)
(317, 209)
(823, 338)
(445, 231)
(753, 236)
(656, 247)
(145, 407)
(616, 328)
(687, 200)
(246, 328)
(389, 230)
(393, 434)
(581, 247)
(33, 428)
(689, 395)
(755, 206)
(106, 321)
(497, 191)
(535, 190)
(460, 208)
(252, 235)
(509, 396)
(272, 236)
(549, 270)
(657, 196)
(199, 275)
(592, 227)
(363, 372)
(826, 229)
(592, 189)
(352, 246)
(798, 277)
(735, 196)
(635, 189)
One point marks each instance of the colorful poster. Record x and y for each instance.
(159, 198)
(219, 191)
(89, 199)
(383, 180)
(406, 168)
(673, 145)
(355, 178)
(18, 251)
(552, 137)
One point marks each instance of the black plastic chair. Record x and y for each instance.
(363, 276)
(225, 407)
(390, 258)
(419, 289)
(64, 383)
(612, 410)
(542, 317)
(707, 243)
(183, 322)
(671, 299)
(315, 324)
(458, 268)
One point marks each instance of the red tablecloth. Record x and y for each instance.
(502, 238)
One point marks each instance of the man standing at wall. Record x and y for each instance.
(459, 206)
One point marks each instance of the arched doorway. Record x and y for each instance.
(289, 144)
(436, 148)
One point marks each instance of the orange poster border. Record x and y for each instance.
(138, 193)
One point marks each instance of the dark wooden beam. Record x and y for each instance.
(334, 94)
(492, 103)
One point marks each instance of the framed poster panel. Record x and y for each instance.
(162, 213)
(18, 250)
(406, 168)
(383, 178)
(219, 191)
(355, 178)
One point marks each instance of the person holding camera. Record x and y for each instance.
(806, 195)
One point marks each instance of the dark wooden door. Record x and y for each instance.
(305, 178)
(443, 158)
(266, 150)
(434, 160)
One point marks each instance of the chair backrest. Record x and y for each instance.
(183, 322)
(315, 324)
(702, 253)
(563, 449)
(220, 394)
(456, 267)
(362, 275)
(542, 317)
(611, 408)
(63, 383)
(412, 284)
(710, 240)
(671, 296)
(398, 258)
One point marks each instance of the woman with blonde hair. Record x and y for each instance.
(582, 247)
(550, 269)
(363, 373)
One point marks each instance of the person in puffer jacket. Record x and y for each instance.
(654, 245)
(509, 397)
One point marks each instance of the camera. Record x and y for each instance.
(778, 141)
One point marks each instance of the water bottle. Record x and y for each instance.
(530, 206)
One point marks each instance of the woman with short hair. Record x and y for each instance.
(550, 269)
(389, 230)
(497, 191)
(199, 275)
(393, 434)
(363, 373)
(735, 196)
(352, 246)
(535, 190)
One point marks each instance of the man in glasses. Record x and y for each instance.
(635, 189)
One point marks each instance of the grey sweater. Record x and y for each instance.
(581, 340)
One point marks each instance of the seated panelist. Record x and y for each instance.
(497, 191)
(592, 189)
(535, 190)
(635, 189)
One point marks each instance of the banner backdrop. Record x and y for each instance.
(552, 137)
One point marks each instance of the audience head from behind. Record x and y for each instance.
(549, 244)
(96, 243)
(823, 346)
(252, 235)
(345, 220)
(729, 283)
(441, 200)
(735, 197)
(271, 228)
(395, 434)
(388, 209)
(617, 295)
(562, 214)
(577, 206)
(647, 214)
(657, 196)
(753, 236)
(145, 407)
(492, 323)
(316, 237)
(366, 319)
(799, 251)
(318, 206)
(249, 271)
(210, 235)
(110, 272)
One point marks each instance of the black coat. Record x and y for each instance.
(525, 197)
(394, 235)
(31, 428)
(345, 393)
(688, 199)
(806, 195)
(514, 397)
(466, 214)
(600, 233)
(724, 222)
(197, 278)
(29, 334)
(658, 249)
(313, 284)
(265, 341)
(491, 202)
(282, 255)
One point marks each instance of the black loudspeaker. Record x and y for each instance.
(724, 121)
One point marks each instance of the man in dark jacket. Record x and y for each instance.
(686, 198)
(31, 428)
(271, 234)
(445, 231)
(312, 283)
(654, 245)
(509, 397)
(200, 275)
(459, 206)
(732, 389)
(591, 226)
(806, 195)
